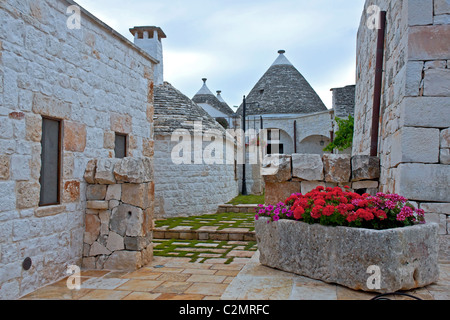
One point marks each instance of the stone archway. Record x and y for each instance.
(313, 144)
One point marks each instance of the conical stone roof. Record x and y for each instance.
(174, 110)
(282, 90)
(204, 95)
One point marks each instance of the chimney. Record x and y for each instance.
(149, 40)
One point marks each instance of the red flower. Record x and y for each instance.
(328, 211)
(298, 213)
(316, 212)
(319, 202)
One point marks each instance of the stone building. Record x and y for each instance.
(296, 119)
(199, 183)
(72, 91)
(343, 107)
(413, 138)
(183, 189)
(215, 106)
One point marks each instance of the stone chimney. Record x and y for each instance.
(149, 40)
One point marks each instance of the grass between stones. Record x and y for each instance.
(219, 220)
(250, 199)
(201, 251)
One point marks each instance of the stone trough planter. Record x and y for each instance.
(406, 258)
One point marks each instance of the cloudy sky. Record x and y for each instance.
(233, 42)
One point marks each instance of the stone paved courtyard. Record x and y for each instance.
(178, 279)
(186, 269)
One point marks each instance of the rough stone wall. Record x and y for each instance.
(415, 104)
(301, 173)
(119, 214)
(97, 83)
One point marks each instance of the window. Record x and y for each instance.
(50, 162)
(275, 148)
(120, 147)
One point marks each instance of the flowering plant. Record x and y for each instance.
(335, 207)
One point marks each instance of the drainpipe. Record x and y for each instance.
(295, 136)
(378, 85)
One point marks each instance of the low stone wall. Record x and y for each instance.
(119, 214)
(301, 173)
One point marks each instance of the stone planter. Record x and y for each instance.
(406, 258)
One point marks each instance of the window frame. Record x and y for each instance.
(59, 165)
(126, 144)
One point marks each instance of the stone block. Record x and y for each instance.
(442, 208)
(365, 168)
(92, 228)
(134, 170)
(411, 144)
(4, 167)
(425, 42)
(431, 112)
(97, 205)
(27, 194)
(7, 195)
(51, 107)
(445, 138)
(98, 249)
(364, 185)
(437, 82)
(279, 192)
(444, 156)
(109, 140)
(138, 195)
(96, 192)
(115, 242)
(71, 191)
(307, 167)
(33, 123)
(337, 167)
(441, 7)
(420, 12)
(276, 168)
(114, 192)
(127, 220)
(74, 136)
(137, 243)
(307, 186)
(105, 171)
(423, 182)
(89, 174)
(121, 123)
(124, 261)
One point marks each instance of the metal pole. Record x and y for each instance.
(244, 185)
(378, 85)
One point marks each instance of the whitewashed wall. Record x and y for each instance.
(97, 82)
(190, 189)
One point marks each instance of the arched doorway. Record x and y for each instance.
(313, 144)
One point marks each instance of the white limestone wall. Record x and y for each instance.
(96, 82)
(415, 109)
(190, 189)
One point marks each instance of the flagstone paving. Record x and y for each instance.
(177, 278)
(209, 251)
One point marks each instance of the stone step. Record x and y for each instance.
(240, 208)
(205, 233)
